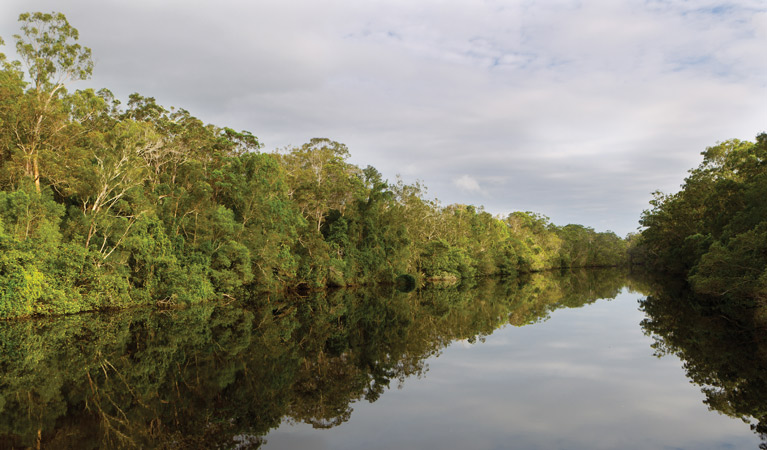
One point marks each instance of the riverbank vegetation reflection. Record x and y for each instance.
(218, 374)
(724, 351)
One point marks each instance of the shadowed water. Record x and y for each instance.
(580, 360)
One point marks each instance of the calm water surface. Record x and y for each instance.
(586, 378)
(583, 360)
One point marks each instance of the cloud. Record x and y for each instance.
(577, 110)
(467, 183)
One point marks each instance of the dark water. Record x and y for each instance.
(583, 360)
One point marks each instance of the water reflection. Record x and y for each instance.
(224, 376)
(724, 350)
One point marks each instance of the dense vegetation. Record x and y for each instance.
(713, 233)
(104, 205)
(211, 375)
(714, 230)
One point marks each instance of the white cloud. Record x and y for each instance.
(467, 183)
(613, 98)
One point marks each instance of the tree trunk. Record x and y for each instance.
(36, 170)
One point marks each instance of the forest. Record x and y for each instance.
(105, 205)
(713, 232)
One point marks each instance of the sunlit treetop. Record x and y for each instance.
(49, 50)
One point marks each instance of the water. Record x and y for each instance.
(582, 360)
(584, 379)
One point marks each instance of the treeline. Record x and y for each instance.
(106, 205)
(714, 230)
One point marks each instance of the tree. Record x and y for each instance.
(320, 179)
(117, 169)
(11, 94)
(713, 231)
(52, 57)
(538, 246)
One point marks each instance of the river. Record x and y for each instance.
(583, 360)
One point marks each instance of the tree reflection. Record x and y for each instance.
(225, 375)
(724, 351)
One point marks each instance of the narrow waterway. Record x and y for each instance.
(580, 360)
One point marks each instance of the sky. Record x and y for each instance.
(577, 110)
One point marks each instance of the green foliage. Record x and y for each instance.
(737, 269)
(107, 207)
(29, 215)
(254, 187)
(39, 119)
(714, 230)
(537, 245)
(49, 49)
(21, 283)
(441, 261)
